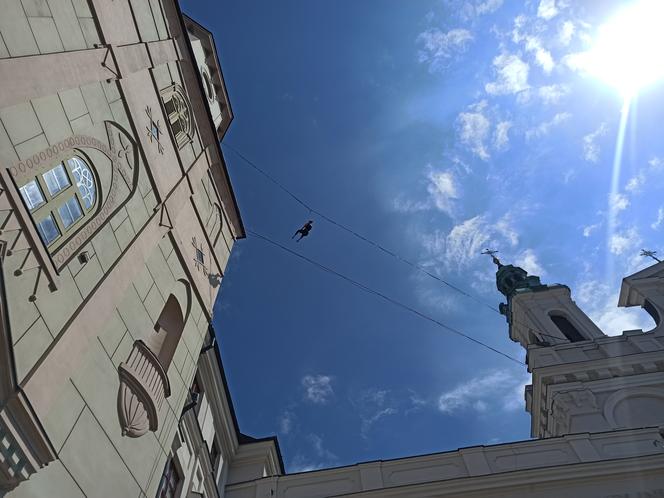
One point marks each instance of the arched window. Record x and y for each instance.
(59, 198)
(207, 83)
(567, 329)
(179, 114)
(168, 330)
(652, 311)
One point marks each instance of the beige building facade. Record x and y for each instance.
(117, 219)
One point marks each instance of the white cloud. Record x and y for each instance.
(474, 128)
(286, 422)
(500, 389)
(600, 302)
(373, 404)
(501, 138)
(318, 388)
(543, 57)
(439, 47)
(402, 205)
(320, 450)
(443, 190)
(578, 61)
(618, 202)
(588, 230)
(547, 9)
(551, 94)
(511, 75)
(623, 241)
(660, 219)
(471, 10)
(566, 32)
(591, 148)
(544, 128)
(322, 457)
(656, 163)
(527, 260)
(636, 182)
(466, 240)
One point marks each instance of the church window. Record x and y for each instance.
(179, 114)
(567, 329)
(207, 82)
(60, 197)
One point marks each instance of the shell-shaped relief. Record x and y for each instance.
(143, 388)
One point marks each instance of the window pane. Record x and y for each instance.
(84, 180)
(32, 195)
(48, 230)
(56, 179)
(70, 211)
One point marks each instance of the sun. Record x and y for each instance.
(629, 50)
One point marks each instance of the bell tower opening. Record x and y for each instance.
(566, 328)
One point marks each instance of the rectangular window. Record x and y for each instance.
(200, 257)
(169, 481)
(32, 195)
(48, 230)
(70, 212)
(56, 179)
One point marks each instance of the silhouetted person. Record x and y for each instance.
(304, 231)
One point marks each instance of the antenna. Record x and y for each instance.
(650, 254)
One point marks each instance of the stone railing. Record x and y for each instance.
(143, 388)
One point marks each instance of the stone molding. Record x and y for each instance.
(617, 397)
(24, 445)
(143, 387)
(450, 473)
(604, 374)
(565, 404)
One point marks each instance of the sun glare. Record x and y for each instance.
(629, 50)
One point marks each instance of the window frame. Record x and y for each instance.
(180, 117)
(54, 202)
(170, 469)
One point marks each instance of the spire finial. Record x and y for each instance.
(650, 254)
(492, 253)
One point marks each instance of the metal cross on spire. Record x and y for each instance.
(492, 253)
(650, 254)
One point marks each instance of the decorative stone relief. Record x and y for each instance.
(567, 404)
(635, 407)
(143, 387)
(154, 131)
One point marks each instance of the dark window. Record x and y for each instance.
(566, 327)
(169, 481)
(652, 311)
(214, 454)
(200, 257)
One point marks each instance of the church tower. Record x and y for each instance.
(583, 380)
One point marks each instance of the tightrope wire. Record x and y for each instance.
(392, 301)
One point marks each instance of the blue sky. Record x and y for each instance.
(437, 128)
